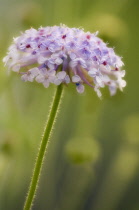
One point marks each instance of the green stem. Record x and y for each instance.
(43, 146)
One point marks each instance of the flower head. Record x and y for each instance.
(60, 54)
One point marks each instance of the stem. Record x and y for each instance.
(43, 146)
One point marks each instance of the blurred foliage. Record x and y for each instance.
(80, 152)
(92, 160)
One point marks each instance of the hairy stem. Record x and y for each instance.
(43, 146)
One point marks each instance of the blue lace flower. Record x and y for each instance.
(60, 54)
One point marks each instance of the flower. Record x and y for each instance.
(59, 54)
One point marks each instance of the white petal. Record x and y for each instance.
(99, 94)
(80, 88)
(106, 78)
(99, 81)
(112, 89)
(119, 61)
(76, 78)
(16, 68)
(6, 59)
(122, 73)
(123, 83)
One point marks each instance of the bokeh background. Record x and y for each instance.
(92, 161)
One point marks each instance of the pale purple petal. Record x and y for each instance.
(51, 73)
(40, 78)
(41, 59)
(72, 56)
(46, 83)
(34, 71)
(73, 63)
(24, 77)
(67, 79)
(57, 81)
(58, 61)
(80, 88)
(30, 78)
(61, 75)
(92, 72)
(76, 78)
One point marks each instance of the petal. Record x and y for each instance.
(40, 78)
(30, 78)
(122, 84)
(119, 61)
(122, 73)
(52, 48)
(72, 56)
(58, 61)
(57, 81)
(106, 79)
(24, 77)
(43, 71)
(51, 66)
(61, 75)
(99, 94)
(80, 88)
(82, 63)
(46, 83)
(99, 81)
(6, 59)
(54, 55)
(76, 78)
(73, 63)
(41, 60)
(112, 89)
(92, 72)
(51, 72)
(16, 68)
(34, 71)
(67, 79)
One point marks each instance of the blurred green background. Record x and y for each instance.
(92, 162)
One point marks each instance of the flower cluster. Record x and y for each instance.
(60, 54)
